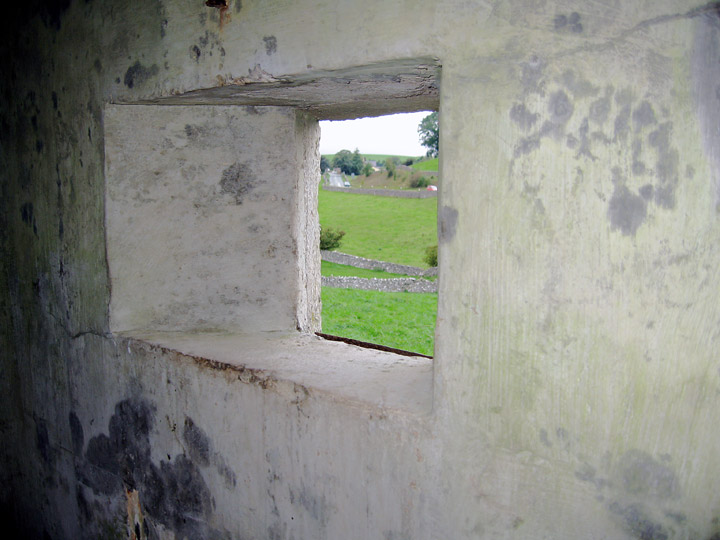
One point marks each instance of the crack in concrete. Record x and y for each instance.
(709, 8)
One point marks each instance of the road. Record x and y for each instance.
(336, 179)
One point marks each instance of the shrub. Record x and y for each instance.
(431, 256)
(419, 181)
(330, 239)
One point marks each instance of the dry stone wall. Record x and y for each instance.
(372, 264)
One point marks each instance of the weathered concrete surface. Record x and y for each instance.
(576, 387)
(201, 230)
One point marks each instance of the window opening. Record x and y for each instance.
(377, 204)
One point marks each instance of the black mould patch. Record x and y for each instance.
(677, 517)
(522, 117)
(447, 219)
(626, 211)
(172, 494)
(27, 214)
(195, 53)
(643, 116)
(54, 100)
(42, 441)
(237, 180)
(622, 123)
(531, 75)
(624, 97)
(316, 506)
(138, 74)
(270, 45)
(77, 434)
(163, 28)
(579, 87)
(544, 438)
(568, 23)
(560, 108)
(197, 441)
(193, 132)
(642, 475)
(584, 149)
(666, 165)
(526, 145)
(637, 521)
(646, 192)
(550, 129)
(638, 167)
(599, 110)
(51, 12)
(586, 473)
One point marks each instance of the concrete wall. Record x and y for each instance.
(575, 390)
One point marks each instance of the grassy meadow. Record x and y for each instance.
(431, 164)
(400, 320)
(388, 229)
(383, 228)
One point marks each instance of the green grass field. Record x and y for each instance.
(427, 165)
(383, 228)
(400, 320)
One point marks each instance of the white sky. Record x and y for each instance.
(393, 134)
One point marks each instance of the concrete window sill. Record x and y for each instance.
(343, 372)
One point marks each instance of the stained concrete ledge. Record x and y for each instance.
(339, 370)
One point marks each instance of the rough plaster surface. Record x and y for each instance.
(575, 381)
(191, 192)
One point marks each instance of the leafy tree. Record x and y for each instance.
(357, 162)
(367, 169)
(348, 162)
(390, 164)
(429, 135)
(324, 164)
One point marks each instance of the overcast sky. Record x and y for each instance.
(394, 134)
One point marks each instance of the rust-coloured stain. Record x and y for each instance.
(247, 375)
(134, 515)
(222, 5)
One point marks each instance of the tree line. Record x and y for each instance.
(352, 162)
